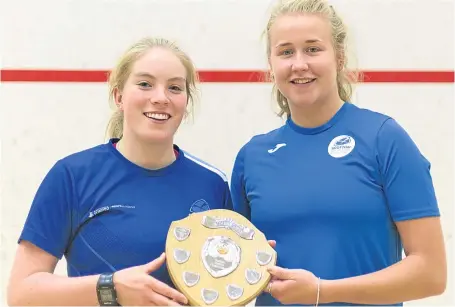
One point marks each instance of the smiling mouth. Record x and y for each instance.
(157, 116)
(302, 80)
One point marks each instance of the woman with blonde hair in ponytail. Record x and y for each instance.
(342, 190)
(108, 209)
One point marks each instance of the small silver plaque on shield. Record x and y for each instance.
(234, 292)
(263, 258)
(247, 233)
(209, 222)
(209, 296)
(181, 255)
(252, 276)
(181, 233)
(220, 255)
(190, 278)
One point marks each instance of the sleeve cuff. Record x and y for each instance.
(40, 241)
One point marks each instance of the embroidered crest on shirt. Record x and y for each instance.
(341, 146)
(199, 206)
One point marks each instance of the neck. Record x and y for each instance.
(147, 155)
(316, 114)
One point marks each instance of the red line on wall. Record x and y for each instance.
(221, 76)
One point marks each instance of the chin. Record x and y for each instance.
(157, 137)
(303, 101)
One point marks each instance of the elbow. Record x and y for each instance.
(440, 278)
(436, 282)
(16, 300)
(438, 286)
(13, 298)
(13, 302)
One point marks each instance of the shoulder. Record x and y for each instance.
(266, 138)
(385, 133)
(375, 126)
(89, 155)
(366, 118)
(86, 161)
(383, 125)
(392, 140)
(203, 168)
(60, 183)
(262, 142)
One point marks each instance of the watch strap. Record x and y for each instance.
(106, 284)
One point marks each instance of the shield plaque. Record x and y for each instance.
(218, 258)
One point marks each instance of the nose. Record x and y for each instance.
(300, 62)
(159, 96)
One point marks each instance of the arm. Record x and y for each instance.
(238, 194)
(42, 243)
(32, 281)
(421, 274)
(412, 202)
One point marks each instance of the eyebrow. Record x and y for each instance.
(144, 74)
(308, 41)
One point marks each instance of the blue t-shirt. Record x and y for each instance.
(330, 195)
(105, 213)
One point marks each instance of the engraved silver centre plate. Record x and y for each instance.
(181, 255)
(220, 255)
(181, 233)
(234, 292)
(191, 278)
(252, 276)
(209, 296)
(263, 258)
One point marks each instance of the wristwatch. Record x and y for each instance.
(105, 289)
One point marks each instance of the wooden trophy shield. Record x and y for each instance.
(219, 258)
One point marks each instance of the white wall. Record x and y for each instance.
(41, 122)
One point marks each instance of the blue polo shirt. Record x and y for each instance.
(330, 195)
(104, 213)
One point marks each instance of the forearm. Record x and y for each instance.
(49, 289)
(410, 279)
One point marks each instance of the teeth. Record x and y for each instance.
(302, 81)
(159, 116)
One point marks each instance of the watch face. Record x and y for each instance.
(106, 296)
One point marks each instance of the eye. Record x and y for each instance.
(176, 88)
(313, 49)
(144, 84)
(286, 52)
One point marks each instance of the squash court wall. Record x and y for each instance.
(43, 121)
